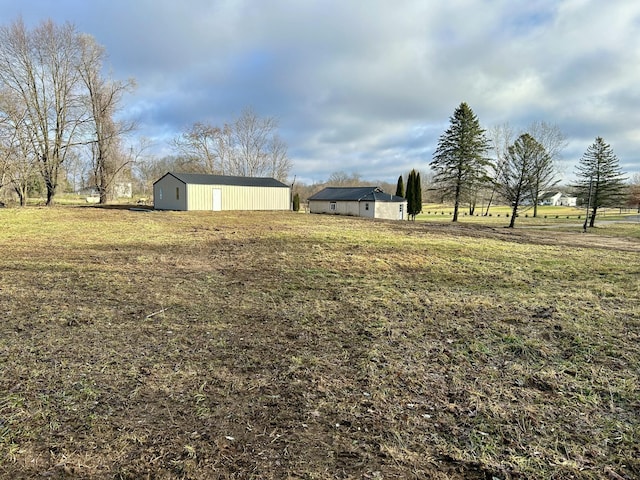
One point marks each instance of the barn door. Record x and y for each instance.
(217, 200)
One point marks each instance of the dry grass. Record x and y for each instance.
(264, 345)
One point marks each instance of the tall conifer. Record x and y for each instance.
(460, 160)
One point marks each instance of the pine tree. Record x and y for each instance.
(460, 159)
(400, 187)
(296, 202)
(600, 180)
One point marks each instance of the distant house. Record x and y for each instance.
(550, 198)
(188, 191)
(567, 201)
(557, 199)
(369, 202)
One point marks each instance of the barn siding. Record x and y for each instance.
(255, 198)
(172, 193)
(200, 197)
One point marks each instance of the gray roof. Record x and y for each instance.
(204, 179)
(355, 194)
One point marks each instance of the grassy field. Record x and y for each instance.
(276, 345)
(500, 215)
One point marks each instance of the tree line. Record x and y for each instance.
(59, 109)
(522, 168)
(470, 162)
(56, 104)
(59, 117)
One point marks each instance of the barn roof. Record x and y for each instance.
(204, 179)
(355, 194)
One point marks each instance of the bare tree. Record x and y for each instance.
(501, 138)
(104, 97)
(634, 192)
(17, 162)
(247, 147)
(252, 137)
(343, 179)
(545, 170)
(279, 161)
(40, 68)
(199, 146)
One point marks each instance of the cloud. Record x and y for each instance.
(368, 87)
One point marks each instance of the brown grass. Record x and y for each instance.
(264, 345)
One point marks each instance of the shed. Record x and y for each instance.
(190, 191)
(369, 202)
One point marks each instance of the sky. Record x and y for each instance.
(367, 87)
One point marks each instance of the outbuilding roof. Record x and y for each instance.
(355, 194)
(204, 179)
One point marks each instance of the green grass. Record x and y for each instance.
(500, 215)
(276, 345)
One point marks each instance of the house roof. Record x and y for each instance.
(547, 195)
(204, 179)
(355, 194)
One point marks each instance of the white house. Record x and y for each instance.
(557, 199)
(369, 202)
(189, 191)
(550, 198)
(567, 201)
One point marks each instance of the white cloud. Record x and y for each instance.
(368, 87)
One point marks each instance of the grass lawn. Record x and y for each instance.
(278, 345)
(500, 215)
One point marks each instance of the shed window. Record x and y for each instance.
(332, 206)
(177, 193)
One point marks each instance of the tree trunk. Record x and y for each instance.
(592, 221)
(456, 204)
(22, 194)
(514, 212)
(51, 192)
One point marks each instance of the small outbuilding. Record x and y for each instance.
(190, 191)
(369, 202)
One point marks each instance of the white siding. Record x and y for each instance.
(391, 210)
(385, 210)
(340, 207)
(239, 198)
(368, 209)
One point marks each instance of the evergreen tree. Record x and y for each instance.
(413, 195)
(460, 161)
(417, 194)
(409, 195)
(296, 202)
(400, 187)
(600, 180)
